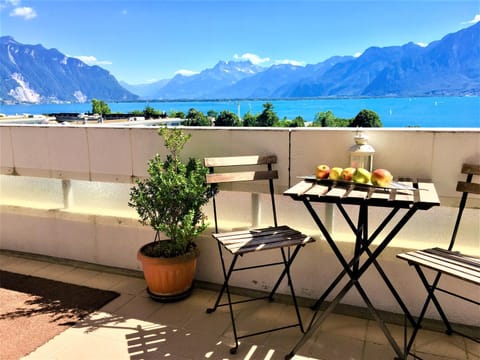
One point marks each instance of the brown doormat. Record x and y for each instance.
(33, 310)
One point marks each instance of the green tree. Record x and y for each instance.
(340, 122)
(366, 118)
(196, 118)
(323, 119)
(249, 120)
(150, 113)
(297, 122)
(100, 107)
(328, 119)
(177, 114)
(267, 117)
(227, 118)
(212, 113)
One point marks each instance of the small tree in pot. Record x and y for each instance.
(170, 200)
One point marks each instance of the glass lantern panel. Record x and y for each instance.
(361, 161)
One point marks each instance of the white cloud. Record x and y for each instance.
(150, 81)
(289, 62)
(185, 72)
(358, 54)
(422, 44)
(92, 60)
(475, 19)
(25, 12)
(254, 59)
(257, 60)
(9, 3)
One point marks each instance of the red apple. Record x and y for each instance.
(322, 171)
(381, 177)
(347, 174)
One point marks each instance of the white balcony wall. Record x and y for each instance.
(64, 193)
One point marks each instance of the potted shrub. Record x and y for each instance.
(170, 200)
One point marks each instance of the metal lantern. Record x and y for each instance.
(361, 154)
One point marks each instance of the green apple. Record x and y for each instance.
(381, 177)
(361, 176)
(335, 173)
(347, 174)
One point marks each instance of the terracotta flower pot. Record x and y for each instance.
(168, 279)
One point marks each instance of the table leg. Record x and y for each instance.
(387, 281)
(365, 247)
(355, 271)
(316, 322)
(380, 321)
(394, 292)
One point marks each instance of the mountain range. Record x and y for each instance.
(447, 67)
(33, 74)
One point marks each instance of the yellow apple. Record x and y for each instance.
(361, 176)
(381, 177)
(335, 173)
(322, 171)
(347, 174)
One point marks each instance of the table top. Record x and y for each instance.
(404, 194)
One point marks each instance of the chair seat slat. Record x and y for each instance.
(292, 239)
(253, 232)
(257, 238)
(449, 261)
(276, 245)
(457, 257)
(255, 241)
(279, 243)
(261, 239)
(424, 257)
(447, 266)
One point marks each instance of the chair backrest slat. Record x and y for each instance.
(466, 187)
(242, 169)
(240, 160)
(471, 169)
(241, 176)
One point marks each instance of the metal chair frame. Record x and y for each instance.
(454, 257)
(240, 243)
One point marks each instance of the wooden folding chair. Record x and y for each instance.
(447, 261)
(246, 242)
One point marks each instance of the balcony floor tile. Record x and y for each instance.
(135, 327)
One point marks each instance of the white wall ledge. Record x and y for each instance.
(65, 190)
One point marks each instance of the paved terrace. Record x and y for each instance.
(63, 195)
(135, 327)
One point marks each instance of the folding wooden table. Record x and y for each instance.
(406, 196)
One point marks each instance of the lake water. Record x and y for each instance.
(443, 112)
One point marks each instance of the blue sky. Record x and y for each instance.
(141, 41)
